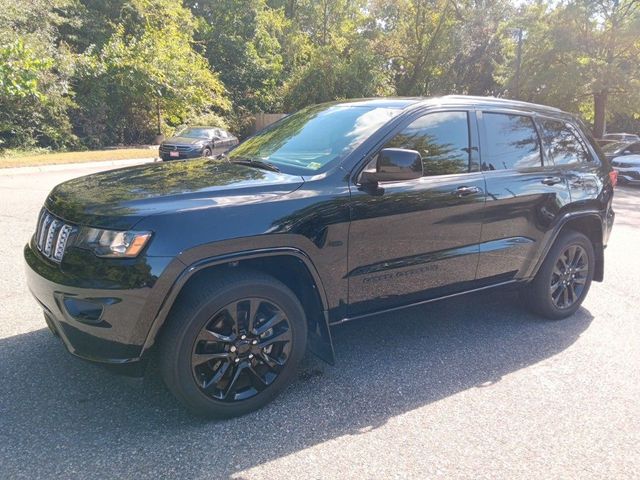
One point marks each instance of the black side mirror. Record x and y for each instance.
(394, 165)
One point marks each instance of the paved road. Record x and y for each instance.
(467, 388)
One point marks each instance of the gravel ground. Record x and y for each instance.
(467, 388)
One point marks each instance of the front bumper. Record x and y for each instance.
(166, 155)
(102, 309)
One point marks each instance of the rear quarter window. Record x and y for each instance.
(562, 144)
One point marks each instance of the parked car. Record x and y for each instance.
(621, 149)
(622, 137)
(227, 269)
(610, 138)
(195, 142)
(628, 168)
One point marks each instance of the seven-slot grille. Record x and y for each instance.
(52, 235)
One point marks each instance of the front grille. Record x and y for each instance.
(52, 235)
(180, 148)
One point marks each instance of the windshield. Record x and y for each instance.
(196, 133)
(314, 137)
(612, 147)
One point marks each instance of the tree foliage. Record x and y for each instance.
(100, 72)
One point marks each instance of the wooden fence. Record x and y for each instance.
(264, 119)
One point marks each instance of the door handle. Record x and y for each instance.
(551, 180)
(464, 191)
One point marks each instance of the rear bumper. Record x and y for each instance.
(96, 320)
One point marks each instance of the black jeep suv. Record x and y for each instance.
(228, 268)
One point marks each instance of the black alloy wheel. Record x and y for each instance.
(564, 278)
(242, 350)
(232, 342)
(569, 276)
(206, 152)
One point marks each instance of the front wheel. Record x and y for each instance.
(564, 278)
(206, 152)
(233, 344)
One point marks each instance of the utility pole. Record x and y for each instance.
(518, 62)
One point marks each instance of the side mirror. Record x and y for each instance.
(394, 165)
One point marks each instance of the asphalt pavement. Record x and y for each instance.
(472, 387)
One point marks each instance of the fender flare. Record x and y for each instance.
(320, 341)
(555, 232)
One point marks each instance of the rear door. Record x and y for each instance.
(525, 194)
(417, 239)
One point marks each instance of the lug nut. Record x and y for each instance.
(255, 342)
(237, 360)
(251, 355)
(233, 348)
(243, 337)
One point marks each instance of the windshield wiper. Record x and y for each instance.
(254, 162)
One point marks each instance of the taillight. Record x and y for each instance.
(613, 176)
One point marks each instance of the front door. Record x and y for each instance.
(417, 239)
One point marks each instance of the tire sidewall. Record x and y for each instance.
(543, 279)
(188, 390)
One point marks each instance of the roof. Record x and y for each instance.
(469, 100)
(448, 100)
(380, 102)
(457, 100)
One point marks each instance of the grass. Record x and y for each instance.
(29, 159)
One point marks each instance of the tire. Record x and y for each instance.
(203, 316)
(545, 295)
(206, 152)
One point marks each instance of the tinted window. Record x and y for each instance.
(512, 142)
(442, 138)
(561, 143)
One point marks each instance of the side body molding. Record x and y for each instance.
(319, 336)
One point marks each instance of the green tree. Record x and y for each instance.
(241, 40)
(147, 74)
(582, 56)
(35, 72)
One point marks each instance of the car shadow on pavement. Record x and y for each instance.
(59, 415)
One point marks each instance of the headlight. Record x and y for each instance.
(111, 243)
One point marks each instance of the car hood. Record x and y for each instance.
(185, 141)
(119, 199)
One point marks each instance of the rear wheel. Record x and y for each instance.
(233, 344)
(564, 279)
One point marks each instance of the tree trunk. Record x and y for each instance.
(600, 110)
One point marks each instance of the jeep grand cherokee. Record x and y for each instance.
(228, 268)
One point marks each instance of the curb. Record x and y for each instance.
(71, 166)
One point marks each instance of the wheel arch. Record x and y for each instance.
(291, 266)
(589, 224)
